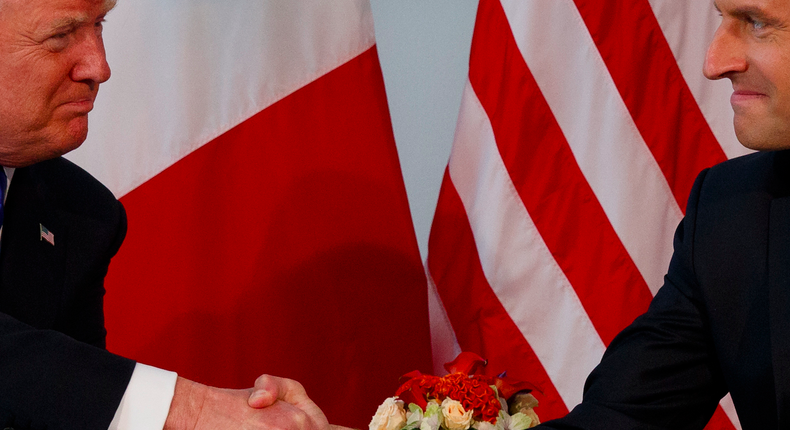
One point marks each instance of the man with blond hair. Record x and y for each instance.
(59, 228)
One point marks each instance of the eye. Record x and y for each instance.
(758, 25)
(57, 42)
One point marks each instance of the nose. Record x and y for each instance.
(725, 54)
(91, 62)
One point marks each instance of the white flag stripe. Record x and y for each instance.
(514, 257)
(729, 409)
(196, 80)
(688, 28)
(608, 147)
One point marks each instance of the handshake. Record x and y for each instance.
(273, 403)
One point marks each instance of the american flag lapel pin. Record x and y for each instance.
(46, 235)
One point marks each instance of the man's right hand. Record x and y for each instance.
(200, 407)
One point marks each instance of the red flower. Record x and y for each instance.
(466, 363)
(473, 392)
(417, 390)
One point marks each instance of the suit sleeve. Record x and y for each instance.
(54, 371)
(661, 371)
(50, 380)
(84, 317)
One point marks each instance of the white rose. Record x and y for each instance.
(389, 416)
(455, 417)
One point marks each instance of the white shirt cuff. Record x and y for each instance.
(147, 399)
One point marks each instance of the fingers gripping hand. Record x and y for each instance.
(199, 407)
(267, 390)
(270, 389)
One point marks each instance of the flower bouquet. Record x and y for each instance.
(460, 400)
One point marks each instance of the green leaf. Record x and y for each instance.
(520, 421)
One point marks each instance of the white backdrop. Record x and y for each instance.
(424, 51)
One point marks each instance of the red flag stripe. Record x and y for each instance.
(643, 68)
(550, 183)
(481, 323)
(720, 421)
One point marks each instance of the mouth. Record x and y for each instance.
(745, 96)
(80, 106)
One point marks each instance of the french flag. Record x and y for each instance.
(269, 229)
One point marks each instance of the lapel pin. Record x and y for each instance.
(46, 235)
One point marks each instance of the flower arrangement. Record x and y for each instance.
(460, 400)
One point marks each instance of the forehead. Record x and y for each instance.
(44, 12)
(774, 6)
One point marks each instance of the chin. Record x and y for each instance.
(61, 145)
(66, 147)
(766, 138)
(76, 131)
(763, 144)
(69, 139)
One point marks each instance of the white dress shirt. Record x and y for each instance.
(147, 399)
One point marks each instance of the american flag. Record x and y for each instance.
(46, 235)
(582, 128)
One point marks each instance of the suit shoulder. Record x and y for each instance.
(72, 188)
(749, 175)
(745, 165)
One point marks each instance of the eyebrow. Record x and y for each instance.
(71, 22)
(752, 12)
(68, 22)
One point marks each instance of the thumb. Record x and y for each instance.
(261, 397)
(268, 389)
(273, 388)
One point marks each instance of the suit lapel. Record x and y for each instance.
(779, 303)
(31, 269)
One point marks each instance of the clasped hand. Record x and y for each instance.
(273, 403)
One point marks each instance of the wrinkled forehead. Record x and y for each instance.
(106, 5)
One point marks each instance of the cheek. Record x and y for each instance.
(774, 68)
(20, 113)
(38, 80)
(29, 101)
(781, 79)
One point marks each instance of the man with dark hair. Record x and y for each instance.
(721, 321)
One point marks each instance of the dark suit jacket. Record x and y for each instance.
(54, 371)
(720, 323)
